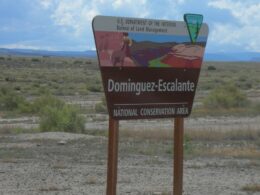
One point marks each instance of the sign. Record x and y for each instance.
(150, 68)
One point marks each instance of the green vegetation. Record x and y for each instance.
(226, 97)
(243, 75)
(55, 114)
(11, 101)
(61, 117)
(78, 62)
(46, 100)
(157, 63)
(79, 78)
(101, 107)
(35, 60)
(60, 75)
(212, 68)
(95, 85)
(256, 108)
(251, 188)
(17, 130)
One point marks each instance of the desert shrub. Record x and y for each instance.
(226, 96)
(242, 78)
(65, 118)
(78, 62)
(88, 62)
(2, 58)
(10, 79)
(212, 68)
(11, 101)
(17, 88)
(244, 85)
(101, 107)
(55, 115)
(95, 88)
(94, 85)
(46, 100)
(256, 108)
(187, 145)
(35, 60)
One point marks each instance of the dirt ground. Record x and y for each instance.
(74, 164)
(199, 123)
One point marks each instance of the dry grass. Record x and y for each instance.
(9, 129)
(91, 180)
(251, 188)
(254, 163)
(209, 135)
(236, 152)
(194, 134)
(53, 189)
(9, 160)
(147, 134)
(59, 165)
(230, 143)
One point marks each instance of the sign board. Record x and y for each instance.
(150, 68)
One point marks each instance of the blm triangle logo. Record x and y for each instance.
(194, 22)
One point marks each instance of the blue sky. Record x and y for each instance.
(66, 24)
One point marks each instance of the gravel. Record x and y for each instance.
(79, 167)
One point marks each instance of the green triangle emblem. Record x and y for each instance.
(193, 22)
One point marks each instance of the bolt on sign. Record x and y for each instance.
(150, 68)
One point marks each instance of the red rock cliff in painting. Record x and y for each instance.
(184, 56)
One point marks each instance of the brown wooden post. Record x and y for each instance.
(112, 156)
(178, 156)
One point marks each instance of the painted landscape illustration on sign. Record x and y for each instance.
(122, 49)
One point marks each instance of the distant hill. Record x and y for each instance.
(229, 57)
(30, 52)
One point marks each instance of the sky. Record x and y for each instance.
(65, 25)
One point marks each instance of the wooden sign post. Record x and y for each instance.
(150, 69)
(112, 156)
(178, 156)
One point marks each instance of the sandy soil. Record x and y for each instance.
(68, 164)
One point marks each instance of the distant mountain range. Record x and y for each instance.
(236, 56)
(229, 57)
(31, 52)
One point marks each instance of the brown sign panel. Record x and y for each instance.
(149, 68)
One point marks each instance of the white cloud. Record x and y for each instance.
(180, 1)
(225, 29)
(46, 3)
(42, 45)
(128, 4)
(245, 31)
(74, 16)
(19, 45)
